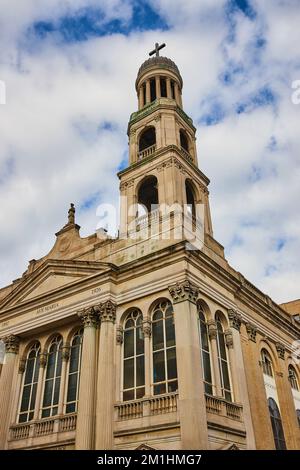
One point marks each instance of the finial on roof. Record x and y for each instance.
(71, 215)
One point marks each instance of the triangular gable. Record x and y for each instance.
(144, 447)
(51, 276)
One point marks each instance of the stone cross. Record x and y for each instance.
(157, 49)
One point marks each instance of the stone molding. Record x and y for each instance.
(22, 365)
(119, 335)
(147, 327)
(280, 350)
(251, 332)
(12, 344)
(43, 359)
(212, 329)
(89, 316)
(229, 339)
(235, 319)
(184, 290)
(65, 352)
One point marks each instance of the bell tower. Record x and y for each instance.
(163, 163)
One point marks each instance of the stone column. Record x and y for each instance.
(286, 401)
(119, 343)
(6, 382)
(238, 370)
(148, 94)
(169, 91)
(192, 407)
(141, 97)
(85, 428)
(106, 378)
(212, 333)
(157, 87)
(63, 378)
(147, 345)
(38, 400)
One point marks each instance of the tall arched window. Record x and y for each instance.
(277, 428)
(133, 357)
(148, 193)
(223, 361)
(190, 199)
(205, 352)
(74, 372)
(164, 349)
(266, 363)
(30, 382)
(53, 378)
(184, 141)
(293, 378)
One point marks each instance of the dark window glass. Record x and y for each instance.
(266, 363)
(164, 349)
(74, 372)
(276, 423)
(31, 374)
(134, 359)
(223, 362)
(293, 378)
(152, 89)
(205, 353)
(53, 377)
(172, 90)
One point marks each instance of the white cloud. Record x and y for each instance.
(53, 149)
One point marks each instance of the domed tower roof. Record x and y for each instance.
(158, 62)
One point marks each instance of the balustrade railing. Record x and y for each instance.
(222, 407)
(147, 152)
(43, 427)
(147, 407)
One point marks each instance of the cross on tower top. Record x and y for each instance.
(157, 49)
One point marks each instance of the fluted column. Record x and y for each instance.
(192, 406)
(147, 339)
(6, 382)
(85, 428)
(212, 333)
(38, 400)
(148, 94)
(106, 378)
(63, 379)
(157, 87)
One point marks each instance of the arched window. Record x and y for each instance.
(147, 138)
(133, 357)
(74, 372)
(53, 378)
(164, 349)
(148, 193)
(266, 363)
(298, 416)
(190, 199)
(276, 425)
(205, 352)
(293, 378)
(30, 382)
(184, 141)
(223, 361)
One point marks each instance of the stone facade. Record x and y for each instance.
(86, 287)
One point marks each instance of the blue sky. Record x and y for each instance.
(69, 69)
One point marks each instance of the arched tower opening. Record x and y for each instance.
(190, 198)
(148, 194)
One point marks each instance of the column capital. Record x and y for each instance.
(251, 331)
(235, 319)
(229, 339)
(184, 290)
(12, 343)
(147, 328)
(107, 311)
(43, 359)
(280, 350)
(119, 335)
(22, 365)
(65, 352)
(89, 316)
(212, 329)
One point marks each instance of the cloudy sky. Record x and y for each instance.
(69, 67)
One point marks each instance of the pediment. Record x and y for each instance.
(144, 447)
(51, 276)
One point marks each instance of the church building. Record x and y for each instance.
(148, 340)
